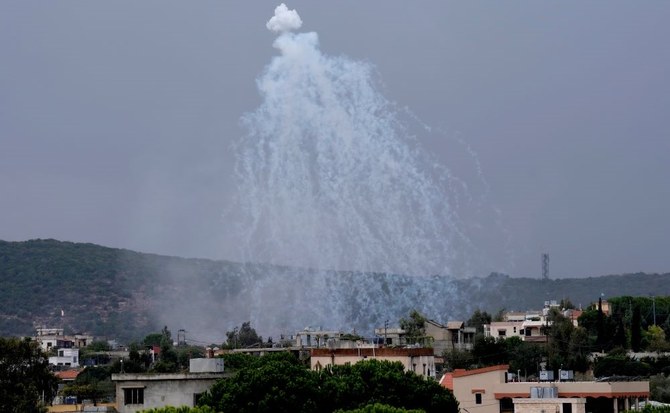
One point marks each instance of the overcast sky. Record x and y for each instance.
(117, 118)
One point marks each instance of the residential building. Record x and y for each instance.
(317, 338)
(487, 390)
(142, 391)
(418, 360)
(391, 336)
(505, 329)
(66, 357)
(453, 336)
(54, 338)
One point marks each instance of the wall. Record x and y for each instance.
(414, 359)
(549, 405)
(162, 389)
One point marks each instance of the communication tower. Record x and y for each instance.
(545, 266)
(181, 337)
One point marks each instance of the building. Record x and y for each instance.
(309, 338)
(66, 357)
(142, 391)
(418, 360)
(454, 336)
(487, 390)
(53, 338)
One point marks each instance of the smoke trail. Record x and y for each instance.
(332, 184)
(329, 178)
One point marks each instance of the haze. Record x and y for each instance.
(117, 119)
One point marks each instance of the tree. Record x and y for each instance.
(92, 383)
(243, 336)
(636, 330)
(153, 339)
(379, 408)
(168, 360)
(25, 379)
(524, 357)
(281, 383)
(183, 409)
(619, 365)
(414, 326)
(656, 337)
(273, 383)
(489, 351)
(98, 346)
(374, 381)
(659, 388)
(478, 319)
(458, 359)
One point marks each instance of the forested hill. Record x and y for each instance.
(124, 294)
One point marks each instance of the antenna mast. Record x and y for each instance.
(545, 266)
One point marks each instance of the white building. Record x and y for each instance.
(68, 357)
(143, 391)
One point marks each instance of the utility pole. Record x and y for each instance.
(653, 305)
(386, 325)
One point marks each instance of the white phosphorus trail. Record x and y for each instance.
(330, 179)
(358, 222)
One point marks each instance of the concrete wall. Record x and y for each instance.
(162, 389)
(418, 360)
(467, 386)
(490, 383)
(577, 405)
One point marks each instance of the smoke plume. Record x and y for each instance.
(284, 20)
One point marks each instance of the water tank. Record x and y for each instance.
(546, 375)
(543, 392)
(535, 392)
(214, 365)
(550, 393)
(567, 375)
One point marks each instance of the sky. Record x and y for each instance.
(118, 119)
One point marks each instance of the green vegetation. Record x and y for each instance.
(415, 329)
(183, 409)
(659, 388)
(478, 319)
(93, 383)
(26, 382)
(281, 383)
(242, 337)
(129, 294)
(379, 408)
(629, 326)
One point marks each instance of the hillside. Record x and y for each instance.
(124, 294)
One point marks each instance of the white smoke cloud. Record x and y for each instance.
(284, 20)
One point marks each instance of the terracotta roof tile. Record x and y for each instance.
(67, 374)
(462, 373)
(447, 381)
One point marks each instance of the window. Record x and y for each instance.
(502, 333)
(133, 396)
(196, 398)
(567, 407)
(478, 398)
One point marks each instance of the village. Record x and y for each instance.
(422, 346)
